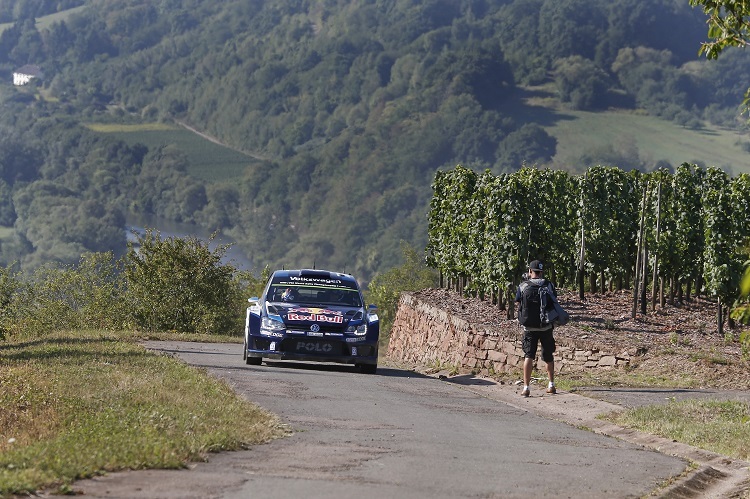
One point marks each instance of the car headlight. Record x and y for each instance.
(360, 330)
(270, 324)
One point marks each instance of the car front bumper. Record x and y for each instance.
(340, 350)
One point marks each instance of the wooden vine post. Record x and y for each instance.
(654, 280)
(582, 255)
(637, 278)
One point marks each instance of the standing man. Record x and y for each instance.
(535, 329)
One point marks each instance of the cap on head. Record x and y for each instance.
(536, 266)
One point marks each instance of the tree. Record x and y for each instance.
(581, 83)
(529, 144)
(728, 26)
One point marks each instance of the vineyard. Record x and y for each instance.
(670, 233)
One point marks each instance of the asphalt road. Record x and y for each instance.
(396, 434)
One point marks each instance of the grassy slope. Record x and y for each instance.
(655, 139)
(208, 160)
(46, 21)
(578, 132)
(76, 404)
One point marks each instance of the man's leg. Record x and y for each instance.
(529, 350)
(528, 365)
(548, 349)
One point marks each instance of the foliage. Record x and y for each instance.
(54, 297)
(728, 26)
(160, 285)
(355, 105)
(385, 289)
(10, 283)
(728, 22)
(721, 268)
(180, 284)
(581, 83)
(486, 228)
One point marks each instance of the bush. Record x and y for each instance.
(159, 285)
(9, 284)
(385, 289)
(180, 285)
(85, 296)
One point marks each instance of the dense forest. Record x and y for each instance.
(354, 105)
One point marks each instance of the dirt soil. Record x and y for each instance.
(679, 345)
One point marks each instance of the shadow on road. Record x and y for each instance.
(330, 367)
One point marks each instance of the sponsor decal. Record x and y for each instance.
(314, 333)
(315, 283)
(271, 333)
(312, 310)
(354, 340)
(335, 319)
(314, 347)
(334, 334)
(316, 280)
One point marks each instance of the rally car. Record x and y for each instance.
(312, 315)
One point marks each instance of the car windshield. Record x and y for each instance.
(315, 295)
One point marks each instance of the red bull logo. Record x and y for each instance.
(312, 310)
(331, 319)
(316, 315)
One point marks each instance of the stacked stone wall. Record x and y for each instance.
(425, 335)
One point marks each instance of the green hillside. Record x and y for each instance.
(353, 105)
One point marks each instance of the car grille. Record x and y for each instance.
(324, 328)
(312, 346)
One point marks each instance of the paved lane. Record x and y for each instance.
(394, 434)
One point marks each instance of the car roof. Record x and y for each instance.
(314, 276)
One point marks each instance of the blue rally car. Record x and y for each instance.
(312, 315)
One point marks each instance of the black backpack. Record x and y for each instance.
(531, 313)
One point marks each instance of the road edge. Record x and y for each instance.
(714, 475)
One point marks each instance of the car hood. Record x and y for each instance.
(306, 314)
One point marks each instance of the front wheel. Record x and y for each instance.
(368, 368)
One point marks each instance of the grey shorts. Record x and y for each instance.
(531, 340)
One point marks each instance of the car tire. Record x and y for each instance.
(253, 361)
(368, 368)
(244, 350)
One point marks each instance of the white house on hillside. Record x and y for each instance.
(25, 74)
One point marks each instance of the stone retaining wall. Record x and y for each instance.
(425, 335)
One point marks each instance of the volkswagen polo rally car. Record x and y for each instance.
(312, 315)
